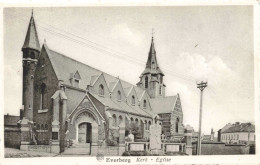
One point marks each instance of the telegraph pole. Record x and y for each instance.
(202, 85)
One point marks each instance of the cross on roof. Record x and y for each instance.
(152, 32)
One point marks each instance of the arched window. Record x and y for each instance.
(161, 79)
(145, 125)
(144, 104)
(42, 102)
(120, 120)
(101, 90)
(38, 127)
(133, 100)
(32, 55)
(46, 127)
(114, 120)
(136, 121)
(119, 95)
(132, 120)
(149, 124)
(177, 125)
(146, 82)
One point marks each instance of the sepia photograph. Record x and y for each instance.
(116, 82)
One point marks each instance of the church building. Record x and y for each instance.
(65, 99)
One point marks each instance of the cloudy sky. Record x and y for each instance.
(192, 43)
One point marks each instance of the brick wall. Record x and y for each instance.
(44, 74)
(12, 138)
(220, 149)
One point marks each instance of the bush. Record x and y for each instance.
(111, 142)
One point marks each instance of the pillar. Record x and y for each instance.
(94, 139)
(55, 144)
(188, 140)
(25, 134)
(121, 148)
(63, 115)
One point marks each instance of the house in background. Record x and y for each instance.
(237, 133)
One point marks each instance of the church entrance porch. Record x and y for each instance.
(83, 133)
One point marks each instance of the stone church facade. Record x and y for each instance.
(65, 99)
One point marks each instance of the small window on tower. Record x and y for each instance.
(32, 55)
(153, 65)
(146, 82)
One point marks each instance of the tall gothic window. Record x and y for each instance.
(146, 82)
(42, 102)
(119, 95)
(101, 90)
(177, 125)
(144, 103)
(133, 100)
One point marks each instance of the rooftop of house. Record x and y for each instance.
(240, 127)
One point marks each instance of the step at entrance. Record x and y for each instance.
(78, 149)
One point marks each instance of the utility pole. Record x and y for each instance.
(202, 85)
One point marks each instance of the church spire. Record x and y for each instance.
(31, 39)
(152, 77)
(152, 64)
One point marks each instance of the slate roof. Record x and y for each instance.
(164, 104)
(10, 120)
(31, 39)
(64, 66)
(240, 127)
(121, 106)
(152, 57)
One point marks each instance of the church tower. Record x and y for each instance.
(31, 51)
(152, 77)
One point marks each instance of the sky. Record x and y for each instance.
(193, 43)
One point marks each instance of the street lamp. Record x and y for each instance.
(202, 85)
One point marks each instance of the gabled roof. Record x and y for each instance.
(240, 127)
(64, 65)
(31, 39)
(120, 106)
(164, 104)
(10, 120)
(128, 90)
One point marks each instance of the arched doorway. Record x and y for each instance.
(84, 133)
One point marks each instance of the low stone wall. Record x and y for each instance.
(39, 148)
(108, 150)
(216, 148)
